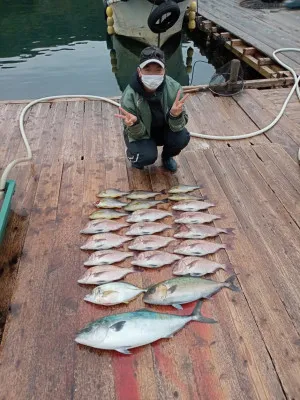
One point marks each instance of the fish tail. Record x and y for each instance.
(164, 191)
(231, 285)
(135, 269)
(197, 316)
(228, 230)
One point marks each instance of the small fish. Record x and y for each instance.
(107, 257)
(102, 225)
(196, 266)
(122, 332)
(104, 241)
(147, 215)
(183, 189)
(110, 203)
(112, 193)
(104, 273)
(107, 214)
(199, 247)
(147, 228)
(140, 204)
(113, 293)
(143, 194)
(184, 290)
(196, 218)
(154, 259)
(185, 197)
(149, 242)
(195, 205)
(198, 231)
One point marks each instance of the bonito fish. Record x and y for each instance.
(184, 290)
(104, 241)
(149, 242)
(154, 259)
(183, 189)
(196, 266)
(103, 257)
(110, 203)
(196, 218)
(112, 193)
(107, 214)
(198, 231)
(113, 293)
(143, 194)
(195, 205)
(199, 247)
(148, 215)
(103, 274)
(122, 332)
(147, 228)
(102, 225)
(142, 204)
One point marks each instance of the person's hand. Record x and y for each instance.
(129, 119)
(177, 107)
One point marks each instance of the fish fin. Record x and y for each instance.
(123, 350)
(172, 289)
(178, 307)
(108, 292)
(197, 316)
(231, 285)
(117, 326)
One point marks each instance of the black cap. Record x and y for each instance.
(152, 54)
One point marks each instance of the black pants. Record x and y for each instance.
(144, 152)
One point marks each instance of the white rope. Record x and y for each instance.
(198, 135)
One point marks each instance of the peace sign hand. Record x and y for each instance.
(129, 119)
(177, 107)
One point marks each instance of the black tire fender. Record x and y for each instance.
(167, 7)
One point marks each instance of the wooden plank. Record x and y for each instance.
(242, 349)
(93, 133)
(18, 347)
(113, 131)
(88, 382)
(269, 312)
(261, 113)
(71, 148)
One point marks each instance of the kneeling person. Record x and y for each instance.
(152, 109)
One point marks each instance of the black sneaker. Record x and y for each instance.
(170, 164)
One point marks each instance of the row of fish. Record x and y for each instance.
(124, 331)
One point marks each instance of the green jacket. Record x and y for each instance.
(137, 105)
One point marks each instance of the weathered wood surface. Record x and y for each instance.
(254, 350)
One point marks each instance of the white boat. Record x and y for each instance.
(131, 19)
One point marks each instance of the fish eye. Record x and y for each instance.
(152, 290)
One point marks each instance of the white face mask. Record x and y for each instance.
(152, 81)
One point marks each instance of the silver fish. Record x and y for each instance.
(183, 189)
(122, 332)
(197, 266)
(196, 218)
(149, 242)
(198, 231)
(104, 241)
(113, 293)
(104, 273)
(143, 194)
(154, 259)
(102, 225)
(112, 193)
(199, 247)
(147, 228)
(142, 204)
(148, 215)
(103, 257)
(190, 205)
(184, 197)
(110, 203)
(184, 290)
(107, 214)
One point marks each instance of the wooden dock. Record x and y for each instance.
(264, 29)
(254, 350)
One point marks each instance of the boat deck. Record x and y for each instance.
(253, 352)
(265, 29)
